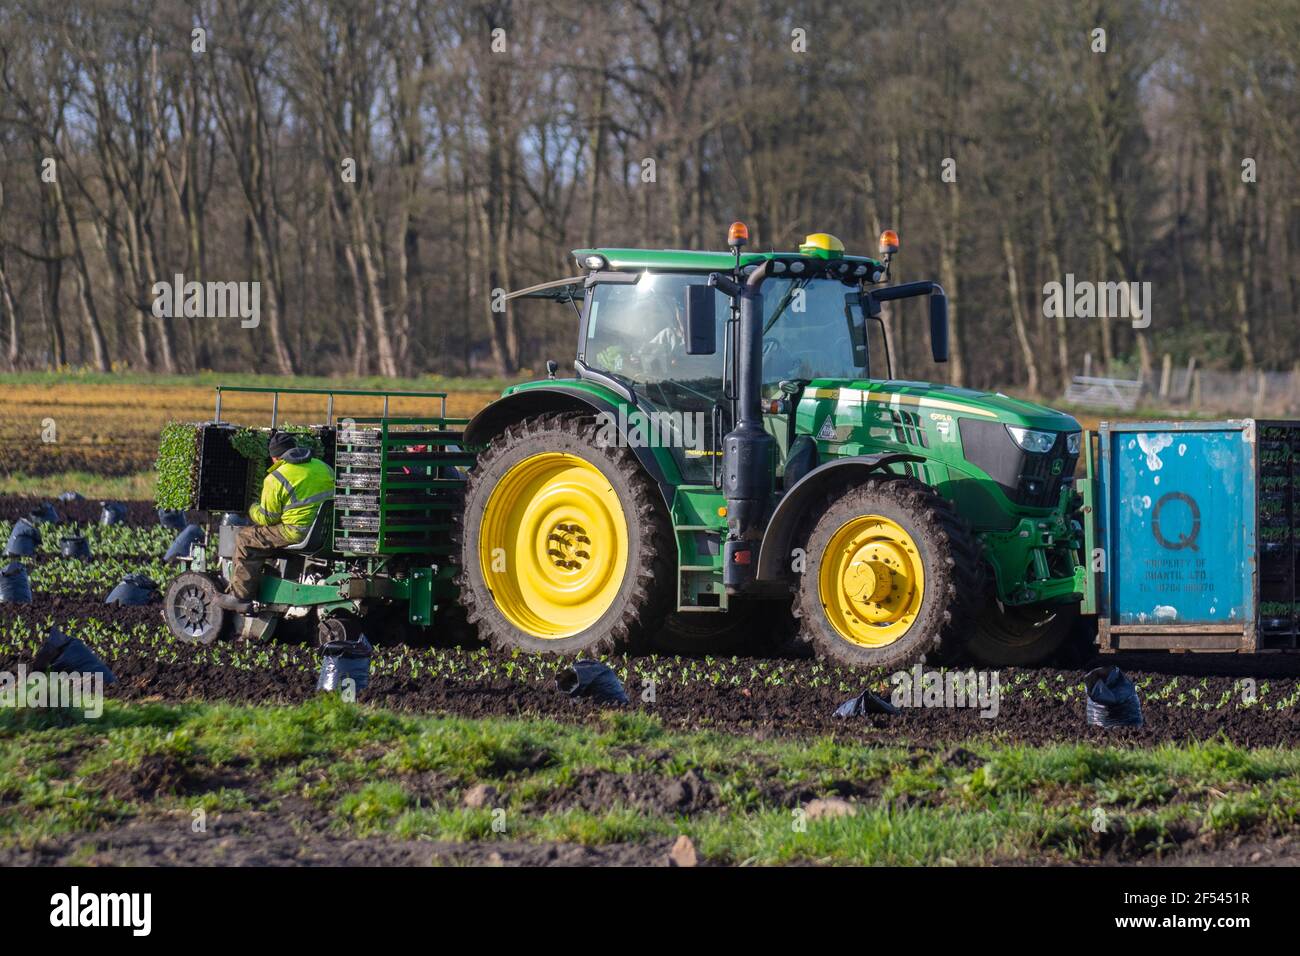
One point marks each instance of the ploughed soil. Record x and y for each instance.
(1030, 709)
(85, 511)
(802, 703)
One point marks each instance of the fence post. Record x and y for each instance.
(1087, 364)
(1261, 390)
(1195, 389)
(1166, 373)
(1191, 376)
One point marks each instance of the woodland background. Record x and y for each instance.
(479, 170)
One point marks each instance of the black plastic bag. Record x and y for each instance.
(233, 519)
(592, 679)
(337, 669)
(1112, 699)
(71, 496)
(173, 518)
(113, 512)
(44, 513)
(865, 703)
(15, 587)
(134, 591)
(345, 660)
(74, 546)
(24, 539)
(358, 646)
(184, 543)
(67, 655)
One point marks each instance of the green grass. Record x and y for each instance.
(1141, 413)
(373, 773)
(136, 487)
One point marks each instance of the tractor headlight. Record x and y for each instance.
(1032, 440)
(1072, 442)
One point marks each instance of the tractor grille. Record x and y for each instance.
(1041, 476)
(1030, 479)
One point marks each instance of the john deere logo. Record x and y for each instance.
(1056, 466)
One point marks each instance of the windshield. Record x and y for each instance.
(637, 331)
(807, 332)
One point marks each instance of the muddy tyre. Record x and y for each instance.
(190, 609)
(742, 629)
(1022, 637)
(566, 547)
(891, 574)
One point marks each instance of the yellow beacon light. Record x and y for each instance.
(823, 245)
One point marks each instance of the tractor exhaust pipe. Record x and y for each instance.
(748, 451)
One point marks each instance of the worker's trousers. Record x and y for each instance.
(253, 545)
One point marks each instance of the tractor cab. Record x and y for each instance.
(637, 307)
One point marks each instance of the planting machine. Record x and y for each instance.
(734, 454)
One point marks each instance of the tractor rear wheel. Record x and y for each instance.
(1021, 636)
(891, 573)
(566, 546)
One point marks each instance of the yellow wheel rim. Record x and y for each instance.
(871, 581)
(553, 545)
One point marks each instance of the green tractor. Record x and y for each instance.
(733, 460)
(734, 443)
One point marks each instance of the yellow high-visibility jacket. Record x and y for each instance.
(292, 494)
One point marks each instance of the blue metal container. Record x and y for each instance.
(1177, 509)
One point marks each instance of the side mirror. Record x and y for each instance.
(938, 325)
(856, 311)
(701, 320)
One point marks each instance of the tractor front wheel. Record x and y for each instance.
(1021, 636)
(565, 542)
(891, 573)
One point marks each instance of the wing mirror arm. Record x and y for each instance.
(938, 310)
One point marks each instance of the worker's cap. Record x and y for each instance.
(281, 442)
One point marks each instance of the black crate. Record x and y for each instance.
(1277, 533)
(223, 471)
(328, 436)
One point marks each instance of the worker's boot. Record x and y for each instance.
(232, 602)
